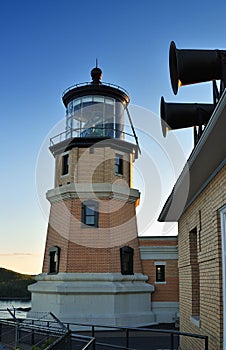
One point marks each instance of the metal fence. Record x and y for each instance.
(131, 338)
(51, 334)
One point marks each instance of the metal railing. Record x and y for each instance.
(66, 335)
(91, 132)
(90, 83)
(173, 334)
(17, 335)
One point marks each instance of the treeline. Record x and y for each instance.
(14, 284)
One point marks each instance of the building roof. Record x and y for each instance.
(205, 161)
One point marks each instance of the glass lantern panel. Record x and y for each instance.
(95, 116)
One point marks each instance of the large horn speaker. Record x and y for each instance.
(194, 66)
(184, 115)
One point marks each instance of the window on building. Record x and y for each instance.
(126, 257)
(160, 273)
(65, 164)
(90, 213)
(118, 164)
(54, 259)
(195, 276)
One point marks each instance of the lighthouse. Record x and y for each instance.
(92, 271)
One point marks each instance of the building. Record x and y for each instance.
(92, 272)
(96, 270)
(159, 258)
(198, 203)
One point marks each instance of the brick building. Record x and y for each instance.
(159, 258)
(198, 203)
(95, 268)
(92, 267)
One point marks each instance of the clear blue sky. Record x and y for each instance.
(49, 45)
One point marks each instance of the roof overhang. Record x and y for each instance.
(205, 161)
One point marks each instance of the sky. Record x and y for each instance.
(50, 45)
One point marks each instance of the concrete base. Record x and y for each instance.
(109, 299)
(166, 312)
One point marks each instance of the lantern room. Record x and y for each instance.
(95, 109)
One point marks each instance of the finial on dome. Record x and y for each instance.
(96, 74)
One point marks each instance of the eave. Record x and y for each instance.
(205, 161)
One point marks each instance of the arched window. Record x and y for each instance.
(54, 259)
(126, 257)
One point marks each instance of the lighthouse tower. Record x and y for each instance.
(92, 270)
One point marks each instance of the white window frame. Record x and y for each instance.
(160, 263)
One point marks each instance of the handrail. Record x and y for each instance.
(151, 330)
(57, 341)
(90, 83)
(127, 331)
(79, 130)
(58, 321)
(92, 341)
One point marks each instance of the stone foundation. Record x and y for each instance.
(110, 299)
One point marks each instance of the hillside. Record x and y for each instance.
(14, 284)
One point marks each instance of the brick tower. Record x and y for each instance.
(92, 270)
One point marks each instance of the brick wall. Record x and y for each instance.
(157, 241)
(95, 167)
(164, 292)
(202, 217)
(89, 249)
(92, 249)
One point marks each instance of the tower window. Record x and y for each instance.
(65, 164)
(118, 164)
(90, 213)
(126, 257)
(54, 259)
(160, 273)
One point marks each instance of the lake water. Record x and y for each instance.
(12, 305)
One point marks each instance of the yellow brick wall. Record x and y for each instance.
(203, 214)
(96, 167)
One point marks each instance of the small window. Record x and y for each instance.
(126, 257)
(65, 164)
(54, 259)
(118, 164)
(90, 213)
(160, 273)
